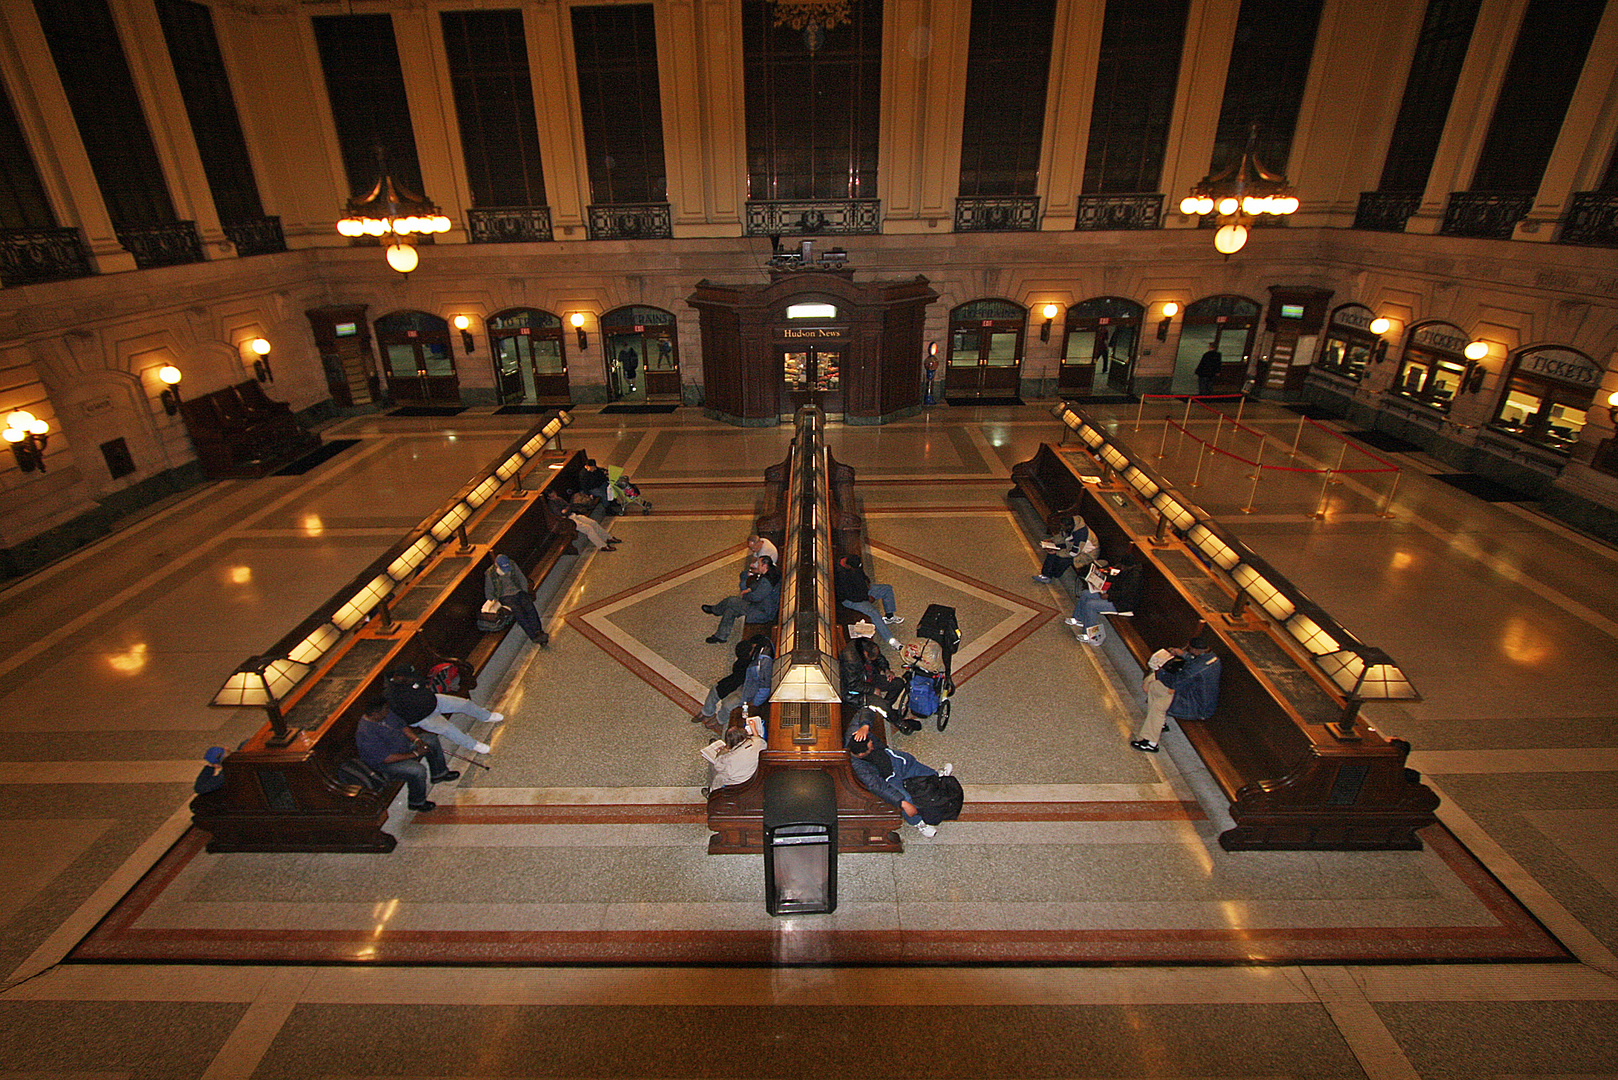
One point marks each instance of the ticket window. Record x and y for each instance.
(1430, 378)
(1543, 413)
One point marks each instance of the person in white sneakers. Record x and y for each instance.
(1107, 588)
(855, 590)
(883, 770)
(412, 699)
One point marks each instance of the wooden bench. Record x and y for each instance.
(1291, 783)
(292, 797)
(239, 432)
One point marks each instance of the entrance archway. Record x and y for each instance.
(985, 349)
(1225, 324)
(642, 354)
(417, 358)
(530, 357)
(1098, 350)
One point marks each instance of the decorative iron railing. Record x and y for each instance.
(509, 224)
(1484, 215)
(1592, 219)
(631, 221)
(1009, 213)
(168, 244)
(255, 236)
(814, 217)
(1385, 211)
(1143, 210)
(29, 256)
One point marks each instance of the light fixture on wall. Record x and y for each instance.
(393, 211)
(28, 436)
(1239, 195)
(1379, 351)
(1475, 351)
(1170, 310)
(1049, 311)
(1612, 408)
(463, 323)
(170, 377)
(260, 348)
(577, 319)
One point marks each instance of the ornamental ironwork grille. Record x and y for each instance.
(814, 217)
(1011, 213)
(1484, 215)
(1104, 212)
(168, 244)
(28, 256)
(1385, 211)
(509, 224)
(259, 236)
(631, 221)
(1592, 219)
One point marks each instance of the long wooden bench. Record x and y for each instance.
(291, 796)
(239, 432)
(1291, 781)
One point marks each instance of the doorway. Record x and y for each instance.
(985, 349)
(642, 355)
(1098, 353)
(418, 360)
(812, 375)
(1224, 324)
(530, 357)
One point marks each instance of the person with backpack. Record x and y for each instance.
(1185, 686)
(1069, 544)
(885, 771)
(418, 703)
(748, 682)
(505, 582)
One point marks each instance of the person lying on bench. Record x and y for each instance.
(884, 770)
(757, 601)
(1107, 588)
(1186, 687)
(600, 538)
(1070, 542)
(395, 750)
(747, 683)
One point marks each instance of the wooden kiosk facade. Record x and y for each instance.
(812, 337)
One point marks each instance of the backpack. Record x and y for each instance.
(499, 618)
(923, 694)
(356, 773)
(937, 798)
(409, 696)
(452, 677)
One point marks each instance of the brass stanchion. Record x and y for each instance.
(1320, 508)
(1387, 504)
(1140, 408)
(1162, 446)
(1219, 425)
(1258, 468)
(1341, 455)
(1196, 481)
(1241, 403)
(1299, 436)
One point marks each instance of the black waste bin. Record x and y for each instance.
(800, 842)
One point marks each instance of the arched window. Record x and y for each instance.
(1350, 345)
(1222, 324)
(1434, 366)
(1548, 390)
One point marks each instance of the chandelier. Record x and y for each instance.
(813, 17)
(1239, 195)
(394, 211)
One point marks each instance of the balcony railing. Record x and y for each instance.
(1143, 210)
(631, 221)
(30, 256)
(1007, 213)
(255, 236)
(1484, 215)
(1386, 211)
(1592, 219)
(168, 244)
(509, 224)
(814, 217)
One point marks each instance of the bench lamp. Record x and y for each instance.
(1364, 673)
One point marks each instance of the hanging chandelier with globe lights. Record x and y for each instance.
(813, 17)
(391, 210)
(1239, 195)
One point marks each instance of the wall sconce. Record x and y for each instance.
(28, 436)
(577, 319)
(170, 376)
(463, 323)
(1475, 351)
(1049, 312)
(932, 349)
(1612, 408)
(261, 365)
(1379, 351)
(1170, 310)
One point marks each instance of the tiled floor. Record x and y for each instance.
(588, 830)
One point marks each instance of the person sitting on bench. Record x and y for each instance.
(884, 770)
(734, 759)
(600, 538)
(757, 545)
(412, 699)
(389, 746)
(504, 581)
(865, 670)
(1107, 588)
(1185, 687)
(1070, 543)
(748, 683)
(757, 602)
(856, 591)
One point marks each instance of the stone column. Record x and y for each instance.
(1584, 146)
(1210, 33)
(147, 52)
(1470, 110)
(53, 136)
(924, 46)
(1068, 106)
(699, 53)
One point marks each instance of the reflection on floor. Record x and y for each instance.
(585, 841)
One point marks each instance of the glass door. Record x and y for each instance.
(985, 349)
(530, 357)
(812, 375)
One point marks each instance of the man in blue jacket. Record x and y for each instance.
(747, 683)
(884, 770)
(758, 601)
(1188, 690)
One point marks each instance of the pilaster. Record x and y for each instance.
(1210, 34)
(53, 135)
(924, 46)
(1075, 54)
(147, 52)
(549, 30)
(699, 45)
(419, 34)
(1470, 110)
(1584, 146)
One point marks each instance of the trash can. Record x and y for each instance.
(800, 842)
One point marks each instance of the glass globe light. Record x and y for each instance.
(19, 420)
(1287, 205)
(1380, 326)
(1170, 309)
(38, 427)
(169, 374)
(15, 434)
(350, 227)
(403, 258)
(259, 346)
(1189, 204)
(1227, 205)
(1230, 238)
(577, 318)
(1476, 350)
